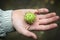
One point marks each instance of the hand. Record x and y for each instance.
(41, 22)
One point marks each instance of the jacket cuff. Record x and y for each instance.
(5, 22)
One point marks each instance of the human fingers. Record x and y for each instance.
(27, 33)
(42, 10)
(44, 27)
(49, 20)
(46, 15)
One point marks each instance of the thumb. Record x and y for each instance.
(25, 32)
(30, 34)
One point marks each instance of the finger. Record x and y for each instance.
(30, 34)
(44, 27)
(25, 32)
(47, 27)
(49, 20)
(46, 16)
(42, 10)
(50, 15)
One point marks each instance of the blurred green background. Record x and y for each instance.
(52, 5)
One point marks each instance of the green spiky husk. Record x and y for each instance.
(30, 17)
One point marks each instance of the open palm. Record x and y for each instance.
(41, 22)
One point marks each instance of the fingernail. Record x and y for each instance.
(55, 25)
(57, 17)
(53, 13)
(46, 10)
